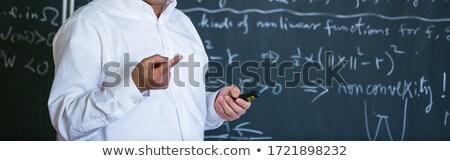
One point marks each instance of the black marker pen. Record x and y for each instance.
(250, 96)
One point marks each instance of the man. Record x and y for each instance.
(97, 95)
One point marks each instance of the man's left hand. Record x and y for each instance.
(227, 104)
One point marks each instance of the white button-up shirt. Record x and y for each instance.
(104, 31)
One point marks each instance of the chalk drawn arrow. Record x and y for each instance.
(242, 131)
(321, 90)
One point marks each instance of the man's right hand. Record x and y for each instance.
(154, 72)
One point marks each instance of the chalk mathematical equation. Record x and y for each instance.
(47, 14)
(358, 59)
(45, 20)
(33, 65)
(230, 57)
(384, 62)
(30, 37)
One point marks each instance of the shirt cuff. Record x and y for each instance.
(213, 120)
(127, 95)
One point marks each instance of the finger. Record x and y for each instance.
(175, 60)
(220, 110)
(160, 79)
(222, 113)
(165, 67)
(236, 108)
(156, 59)
(244, 104)
(227, 109)
(163, 71)
(234, 91)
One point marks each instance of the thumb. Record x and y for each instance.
(234, 91)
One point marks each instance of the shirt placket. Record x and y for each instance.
(170, 52)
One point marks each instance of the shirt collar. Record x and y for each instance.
(167, 10)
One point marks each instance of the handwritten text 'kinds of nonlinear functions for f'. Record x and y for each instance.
(32, 64)
(330, 23)
(432, 29)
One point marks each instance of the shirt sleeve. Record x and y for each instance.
(79, 104)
